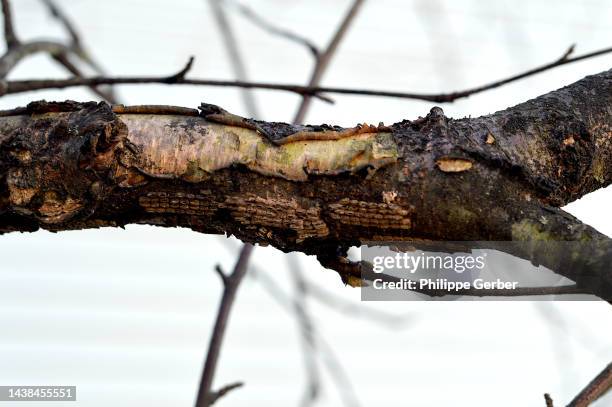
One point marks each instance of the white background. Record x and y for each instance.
(125, 315)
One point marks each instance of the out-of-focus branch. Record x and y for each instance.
(337, 372)
(216, 395)
(259, 21)
(325, 58)
(9, 30)
(77, 49)
(65, 21)
(237, 63)
(15, 54)
(12, 87)
(16, 50)
(231, 282)
(599, 386)
(308, 342)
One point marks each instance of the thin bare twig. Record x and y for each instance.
(9, 31)
(259, 21)
(63, 60)
(308, 340)
(11, 87)
(231, 45)
(325, 58)
(356, 310)
(231, 282)
(599, 386)
(548, 400)
(16, 51)
(77, 49)
(65, 21)
(346, 307)
(337, 372)
(216, 395)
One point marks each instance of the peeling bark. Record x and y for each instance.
(315, 189)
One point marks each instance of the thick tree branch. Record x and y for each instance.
(318, 189)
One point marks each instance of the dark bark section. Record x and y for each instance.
(494, 178)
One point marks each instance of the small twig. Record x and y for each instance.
(567, 53)
(63, 60)
(76, 45)
(358, 310)
(348, 308)
(12, 87)
(325, 58)
(180, 75)
(259, 21)
(308, 342)
(231, 283)
(548, 400)
(216, 395)
(338, 304)
(237, 63)
(77, 49)
(62, 18)
(16, 51)
(595, 389)
(221, 274)
(9, 31)
(334, 367)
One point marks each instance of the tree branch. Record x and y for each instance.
(325, 58)
(256, 19)
(319, 189)
(599, 386)
(16, 51)
(231, 283)
(9, 32)
(77, 49)
(334, 367)
(231, 45)
(29, 85)
(548, 400)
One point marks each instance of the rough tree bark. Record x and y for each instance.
(317, 189)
